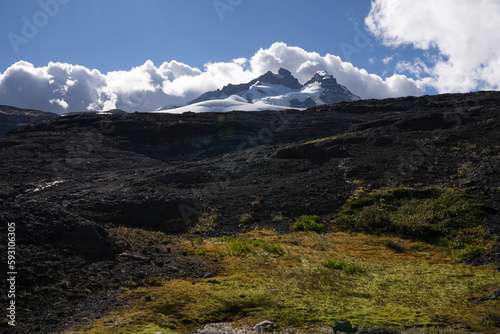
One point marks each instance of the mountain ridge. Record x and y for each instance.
(13, 117)
(281, 90)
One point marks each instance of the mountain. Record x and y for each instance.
(281, 90)
(233, 102)
(12, 117)
(99, 202)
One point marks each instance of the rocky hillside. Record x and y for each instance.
(67, 181)
(12, 117)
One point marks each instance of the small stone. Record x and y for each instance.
(158, 332)
(264, 325)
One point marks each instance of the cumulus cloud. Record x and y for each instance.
(463, 32)
(304, 64)
(63, 87)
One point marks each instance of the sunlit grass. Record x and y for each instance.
(308, 223)
(415, 213)
(422, 286)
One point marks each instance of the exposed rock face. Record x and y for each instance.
(66, 180)
(12, 117)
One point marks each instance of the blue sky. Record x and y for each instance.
(113, 36)
(118, 35)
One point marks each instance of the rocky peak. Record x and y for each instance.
(333, 92)
(324, 78)
(280, 86)
(284, 77)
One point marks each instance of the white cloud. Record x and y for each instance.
(464, 32)
(63, 87)
(304, 64)
(387, 60)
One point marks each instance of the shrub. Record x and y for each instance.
(417, 213)
(238, 247)
(345, 266)
(308, 223)
(246, 218)
(206, 222)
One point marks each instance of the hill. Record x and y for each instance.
(12, 117)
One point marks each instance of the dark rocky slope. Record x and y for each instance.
(12, 117)
(67, 180)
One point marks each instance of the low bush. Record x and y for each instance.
(237, 247)
(308, 223)
(416, 213)
(206, 222)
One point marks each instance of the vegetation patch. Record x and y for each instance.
(414, 213)
(346, 266)
(296, 280)
(308, 223)
(241, 246)
(207, 222)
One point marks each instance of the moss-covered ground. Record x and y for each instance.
(300, 279)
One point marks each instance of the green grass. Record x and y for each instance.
(242, 246)
(345, 266)
(399, 278)
(415, 213)
(304, 288)
(308, 223)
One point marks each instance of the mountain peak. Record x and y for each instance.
(322, 77)
(280, 90)
(284, 77)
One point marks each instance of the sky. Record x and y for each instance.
(74, 55)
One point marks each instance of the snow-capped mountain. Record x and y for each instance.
(271, 92)
(233, 102)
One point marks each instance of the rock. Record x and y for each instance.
(134, 257)
(492, 296)
(344, 327)
(209, 275)
(264, 326)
